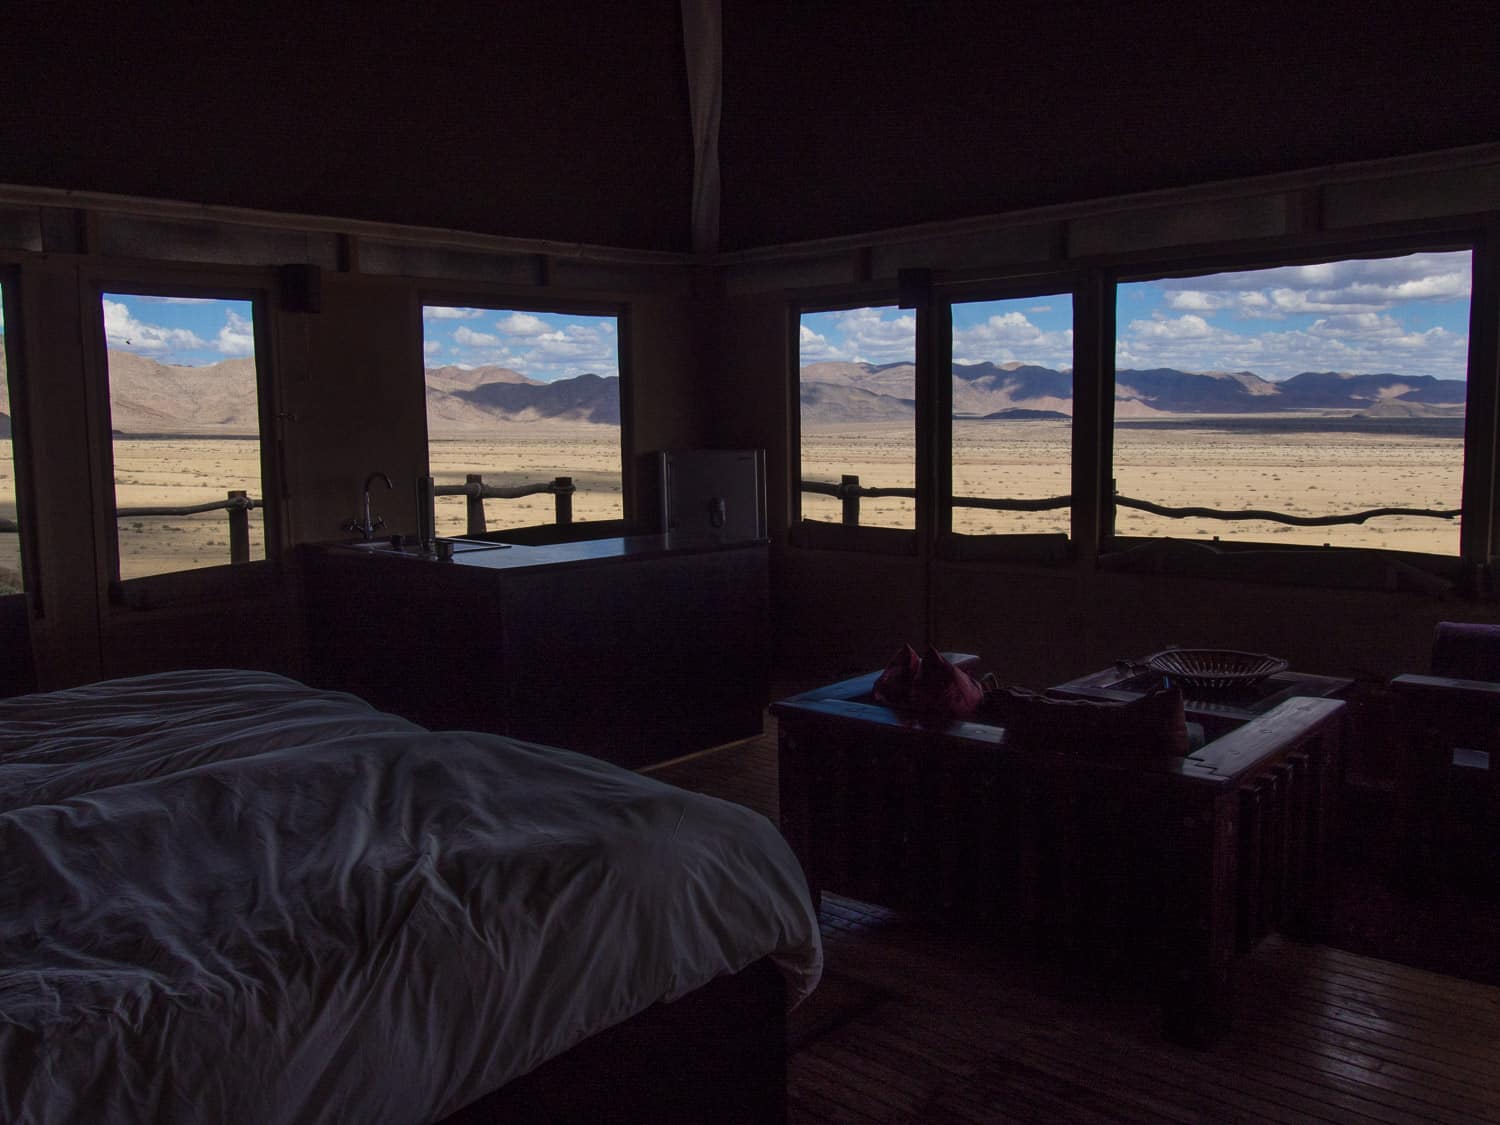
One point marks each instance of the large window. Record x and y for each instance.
(857, 416)
(11, 581)
(185, 419)
(1328, 389)
(523, 416)
(1012, 385)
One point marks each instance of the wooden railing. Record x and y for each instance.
(478, 492)
(238, 504)
(849, 491)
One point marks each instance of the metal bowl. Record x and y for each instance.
(1215, 667)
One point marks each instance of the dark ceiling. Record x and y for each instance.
(570, 121)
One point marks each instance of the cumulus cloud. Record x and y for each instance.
(446, 312)
(1010, 337)
(1338, 316)
(538, 346)
(122, 330)
(237, 337)
(466, 336)
(522, 324)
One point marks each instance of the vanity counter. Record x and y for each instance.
(636, 649)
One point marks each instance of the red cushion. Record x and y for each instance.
(893, 687)
(943, 691)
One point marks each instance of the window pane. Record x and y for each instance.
(858, 413)
(1313, 390)
(185, 413)
(521, 399)
(1012, 411)
(10, 533)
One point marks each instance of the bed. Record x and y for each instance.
(226, 896)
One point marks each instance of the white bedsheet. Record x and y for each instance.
(227, 897)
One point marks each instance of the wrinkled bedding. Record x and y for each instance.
(228, 897)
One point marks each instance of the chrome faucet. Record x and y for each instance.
(371, 523)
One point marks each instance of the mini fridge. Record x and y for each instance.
(713, 493)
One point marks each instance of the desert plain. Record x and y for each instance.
(1296, 472)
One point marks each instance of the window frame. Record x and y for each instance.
(819, 534)
(1043, 547)
(1478, 492)
(18, 391)
(193, 585)
(503, 300)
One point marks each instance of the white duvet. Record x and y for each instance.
(227, 897)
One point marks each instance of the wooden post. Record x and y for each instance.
(239, 527)
(475, 504)
(562, 491)
(849, 491)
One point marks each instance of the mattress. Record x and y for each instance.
(226, 896)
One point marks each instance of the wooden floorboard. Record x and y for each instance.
(915, 1025)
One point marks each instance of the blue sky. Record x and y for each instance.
(544, 346)
(187, 331)
(1408, 315)
(197, 331)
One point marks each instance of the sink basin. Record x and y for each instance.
(459, 546)
(462, 545)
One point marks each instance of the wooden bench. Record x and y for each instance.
(1167, 869)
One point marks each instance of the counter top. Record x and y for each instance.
(484, 555)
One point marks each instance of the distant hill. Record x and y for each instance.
(148, 397)
(1019, 414)
(832, 393)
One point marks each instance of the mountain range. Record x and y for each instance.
(152, 397)
(864, 392)
(148, 397)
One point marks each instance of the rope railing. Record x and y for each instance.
(850, 491)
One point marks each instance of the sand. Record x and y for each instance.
(1301, 474)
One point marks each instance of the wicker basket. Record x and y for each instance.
(1215, 667)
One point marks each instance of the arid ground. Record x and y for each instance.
(1300, 473)
(1294, 470)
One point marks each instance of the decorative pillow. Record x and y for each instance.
(893, 687)
(1151, 726)
(942, 691)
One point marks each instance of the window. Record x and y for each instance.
(1012, 382)
(857, 416)
(523, 416)
(185, 418)
(11, 581)
(1306, 391)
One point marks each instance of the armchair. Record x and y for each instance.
(1448, 801)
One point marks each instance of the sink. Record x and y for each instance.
(460, 546)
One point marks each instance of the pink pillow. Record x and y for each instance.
(893, 687)
(942, 691)
(928, 685)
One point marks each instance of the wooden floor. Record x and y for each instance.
(914, 1025)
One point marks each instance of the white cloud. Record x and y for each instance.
(1010, 337)
(522, 324)
(471, 339)
(813, 347)
(1196, 300)
(237, 337)
(1188, 327)
(432, 347)
(121, 330)
(446, 312)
